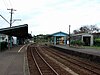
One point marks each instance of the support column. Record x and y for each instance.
(11, 41)
(64, 40)
(91, 40)
(54, 40)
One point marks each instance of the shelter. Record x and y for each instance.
(17, 31)
(59, 38)
(21, 32)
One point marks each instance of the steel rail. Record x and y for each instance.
(36, 63)
(46, 62)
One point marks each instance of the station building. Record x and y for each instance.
(59, 38)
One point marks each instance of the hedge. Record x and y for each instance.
(77, 42)
(97, 42)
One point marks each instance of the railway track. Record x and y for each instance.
(43, 67)
(39, 64)
(31, 63)
(84, 66)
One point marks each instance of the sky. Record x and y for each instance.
(50, 16)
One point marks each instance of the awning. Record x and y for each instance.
(17, 31)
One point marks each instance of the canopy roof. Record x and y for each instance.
(59, 34)
(17, 31)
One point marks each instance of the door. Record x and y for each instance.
(86, 40)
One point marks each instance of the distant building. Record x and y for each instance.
(3, 38)
(84, 37)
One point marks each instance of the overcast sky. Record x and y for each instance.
(50, 16)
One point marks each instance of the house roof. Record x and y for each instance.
(81, 34)
(18, 31)
(59, 34)
(96, 33)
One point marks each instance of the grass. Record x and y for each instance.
(89, 47)
(92, 47)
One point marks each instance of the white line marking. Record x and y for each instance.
(21, 48)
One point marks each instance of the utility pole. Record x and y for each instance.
(69, 35)
(11, 15)
(11, 21)
(10, 44)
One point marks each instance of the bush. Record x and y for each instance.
(97, 42)
(3, 46)
(77, 42)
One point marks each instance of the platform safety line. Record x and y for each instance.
(21, 48)
(27, 46)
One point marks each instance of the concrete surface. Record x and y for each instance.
(12, 62)
(95, 52)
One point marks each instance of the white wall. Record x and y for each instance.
(91, 38)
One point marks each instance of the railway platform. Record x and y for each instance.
(83, 50)
(13, 62)
(92, 54)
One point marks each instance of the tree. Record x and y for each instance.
(94, 28)
(76, 31)
(84, 29)
(87, 29)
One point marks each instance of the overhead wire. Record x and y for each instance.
(10, 3)
(4, 3)
(7, 3)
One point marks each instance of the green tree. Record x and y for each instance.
(87, 29)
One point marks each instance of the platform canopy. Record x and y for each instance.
(59, 34)
(17, 31)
